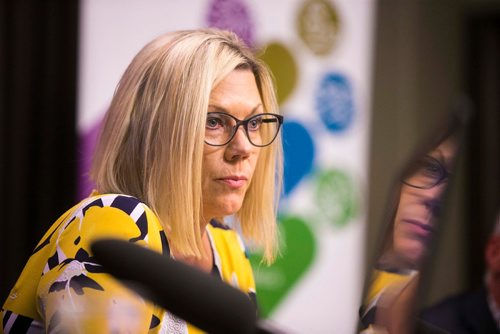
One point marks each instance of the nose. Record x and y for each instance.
(433, 198)
(433, 206)
(239, 147)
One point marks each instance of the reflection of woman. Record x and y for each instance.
(389, 303)
(420, 202)
(191, 136)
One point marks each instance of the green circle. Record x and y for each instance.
(335, 197)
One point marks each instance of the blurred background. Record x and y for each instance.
(360, 83)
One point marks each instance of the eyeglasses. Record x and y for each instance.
(427, 173)
(261, 129)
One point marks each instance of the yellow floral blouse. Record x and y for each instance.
(63, 287)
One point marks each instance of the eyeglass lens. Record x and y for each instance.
(428, 172)
(260, 129)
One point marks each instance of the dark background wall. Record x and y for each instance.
(38, 66)
(426, 53)
(483, 83)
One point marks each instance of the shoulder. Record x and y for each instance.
(106, 216)
(113, 215)
(124, 203)
(113, 208)
(118, 215)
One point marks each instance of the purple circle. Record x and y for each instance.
(232, 15)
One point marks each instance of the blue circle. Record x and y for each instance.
(334, 102)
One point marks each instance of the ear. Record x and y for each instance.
(492, 254)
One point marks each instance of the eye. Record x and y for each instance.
(254, 123)
(431, 168)
(214, 122)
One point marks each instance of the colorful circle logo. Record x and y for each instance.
(284, 68)
(335, 197)
(318, 26)
(334, 102)
(232, 15)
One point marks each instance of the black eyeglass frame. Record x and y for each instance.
(244, 123)
(443, 175)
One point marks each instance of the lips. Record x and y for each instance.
(233, 181)
(418, 228)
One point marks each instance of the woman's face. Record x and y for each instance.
(228, 170)
(417, 209)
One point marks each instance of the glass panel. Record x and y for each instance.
(392, 290)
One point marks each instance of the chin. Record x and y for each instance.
(225, 207)
(413, 251)
(231, 210)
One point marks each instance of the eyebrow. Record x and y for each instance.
(221, 109)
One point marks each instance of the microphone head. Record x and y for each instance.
(199, 298)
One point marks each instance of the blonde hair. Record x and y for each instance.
(152, 140)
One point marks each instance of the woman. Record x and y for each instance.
(191, 136)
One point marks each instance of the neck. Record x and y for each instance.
(205, 262)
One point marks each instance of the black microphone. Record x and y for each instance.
(195, 296)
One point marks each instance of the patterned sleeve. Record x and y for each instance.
(73, 289)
